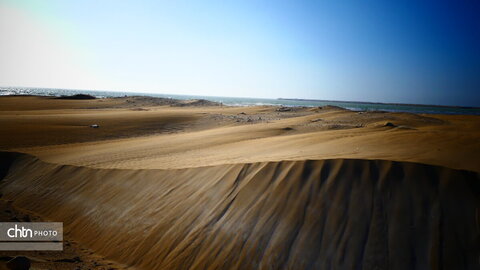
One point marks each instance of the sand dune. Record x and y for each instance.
(162, 185)
(325, 214)
(166, 137)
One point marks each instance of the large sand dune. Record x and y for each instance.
(167, 185)
(327, 214)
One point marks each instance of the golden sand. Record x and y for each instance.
(212, 187)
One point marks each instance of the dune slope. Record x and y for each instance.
(310, 214)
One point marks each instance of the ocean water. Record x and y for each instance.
(234, 101)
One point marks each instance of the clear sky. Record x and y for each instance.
(382, 51)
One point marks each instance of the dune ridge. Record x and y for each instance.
(309, 214)
(144, 133)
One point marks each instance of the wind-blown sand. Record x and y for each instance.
(168, 185)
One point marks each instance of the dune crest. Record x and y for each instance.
(322, 214)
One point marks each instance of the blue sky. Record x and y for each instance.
(383, 51)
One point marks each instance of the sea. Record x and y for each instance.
(241, 101)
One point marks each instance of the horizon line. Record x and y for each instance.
(278, 98)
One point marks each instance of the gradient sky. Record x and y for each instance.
(383, 51)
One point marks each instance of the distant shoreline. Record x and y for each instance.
(378, 103)
(244, 102)
(129, 93)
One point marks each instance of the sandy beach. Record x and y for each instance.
(168, 184)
